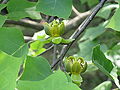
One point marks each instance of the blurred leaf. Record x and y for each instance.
(90, 67)
(114, 55)
(9, 68)
(94, 32)
(104, 86)
(114, 52)
(2, 20)
(12, 42)
(104, 64)
(36, 68)
(114, 21)
(57, 40)
(90, 2)
(86, 49)
(106, 10)
(22, 8)
(56, 81)
(60, 8)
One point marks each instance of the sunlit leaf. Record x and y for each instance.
(9, 68)
(12, 42)
(36, 68)
(56, 81)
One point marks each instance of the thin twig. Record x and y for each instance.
(26, 23)
(75, 22)
(47, 50)
(55, 53)
(72, 23)
(78, 32)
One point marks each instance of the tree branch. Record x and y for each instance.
(75, 11)
(78, 32)
(73, 23)
(26, 23)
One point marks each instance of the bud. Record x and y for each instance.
(54, 29)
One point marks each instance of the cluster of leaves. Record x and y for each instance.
(37, 74)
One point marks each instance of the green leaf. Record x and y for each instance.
(104, 64)
(60, 8)
(2, 6)
(114, 21)
(90, 67)
(106, 10)
(66, 41)
(104, 86)
(22, 8)
(9, 68)
(36, 45)
(94, 32)
(56, 40)
(36, 68)
(101, 61)
(12, 42)
(2, 20)
(56, 81)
